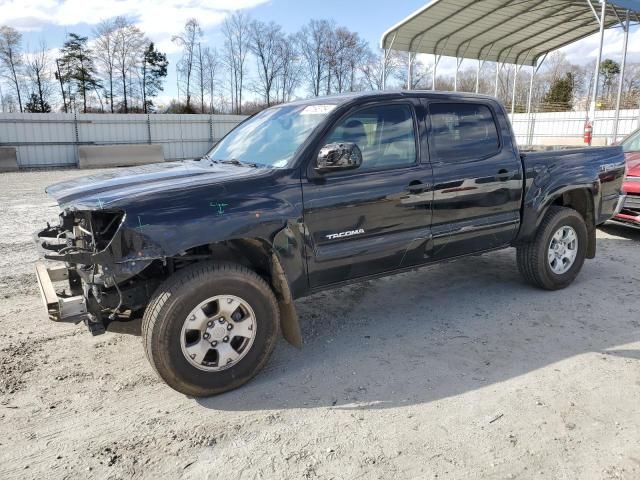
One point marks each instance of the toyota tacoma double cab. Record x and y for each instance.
(306, 196)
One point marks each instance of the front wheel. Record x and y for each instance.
(210, 328)
(553, 259)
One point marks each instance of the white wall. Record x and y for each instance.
(51, 139)
(567, 128)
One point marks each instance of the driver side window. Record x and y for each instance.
(385, 135)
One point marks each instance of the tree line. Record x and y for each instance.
(258, 64)
(118, 70)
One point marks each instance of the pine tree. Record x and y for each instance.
(152, 72)
(37, 104)
(78, 67)
(560, 94)
(609, 70)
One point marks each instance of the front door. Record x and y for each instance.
(374, 218)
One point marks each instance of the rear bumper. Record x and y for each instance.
(59, 307)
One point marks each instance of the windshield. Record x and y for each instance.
(632, 144)
(271, 137)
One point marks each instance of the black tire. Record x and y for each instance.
(171, 304)
(532, 257)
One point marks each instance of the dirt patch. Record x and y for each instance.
(16, 361)
(459, 370)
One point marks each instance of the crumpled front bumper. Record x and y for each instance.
(59, 306)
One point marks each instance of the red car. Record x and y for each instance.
(630, 213)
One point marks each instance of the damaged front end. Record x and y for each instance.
(100, 261)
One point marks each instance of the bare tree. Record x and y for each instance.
(421, 73)
(11, 59)
(201, 71)
(189, 40)
(105, 52)
(267, 43)
(314, 46)
(377, 68)
(211, 64)
(236, 47)
(290, 74)
(345, 54)
(631, 86)
(38, 67)
(128, 53)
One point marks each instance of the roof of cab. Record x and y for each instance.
(389, 94)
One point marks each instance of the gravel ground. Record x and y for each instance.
(455, 371)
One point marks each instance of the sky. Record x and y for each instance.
(51, 20)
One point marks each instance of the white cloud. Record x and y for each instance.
(158, 18)
(586, 50)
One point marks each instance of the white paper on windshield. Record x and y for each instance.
(317, 109)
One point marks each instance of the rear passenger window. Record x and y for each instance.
(462, 131)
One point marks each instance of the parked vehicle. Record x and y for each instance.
(308, 196)
(630, 213)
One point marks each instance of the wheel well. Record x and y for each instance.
(581, 201)
(257, 255)
(252, 253)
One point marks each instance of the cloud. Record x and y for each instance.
(158, 18)
(586, 50)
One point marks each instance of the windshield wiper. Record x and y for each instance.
(234, 161)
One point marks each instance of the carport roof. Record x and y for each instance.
(512, 31)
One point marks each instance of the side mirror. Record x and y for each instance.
(335, 157)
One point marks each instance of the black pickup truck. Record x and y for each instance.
(307, 196)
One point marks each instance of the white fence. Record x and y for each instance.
(567, 128)
(52, 139)
(47, 140)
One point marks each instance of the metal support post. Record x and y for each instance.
(436, 61)
(596, 76)
(516, 69)
(385, 59)
(624, 63)
(410, 71)
(455, 78)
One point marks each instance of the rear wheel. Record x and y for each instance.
(553, 259)
(210, 328)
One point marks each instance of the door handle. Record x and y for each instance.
(503, 175)
(416, 187)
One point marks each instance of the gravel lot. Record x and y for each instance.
(455, 371)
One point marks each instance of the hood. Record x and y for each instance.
(633, 164)
(121, 186)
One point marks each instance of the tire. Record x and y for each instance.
(165, 327)
(533, 257)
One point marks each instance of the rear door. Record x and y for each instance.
(477, 178)
(377, 217)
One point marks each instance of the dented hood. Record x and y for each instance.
(119, 187)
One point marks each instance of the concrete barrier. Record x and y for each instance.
(104, 156)
(8, 159)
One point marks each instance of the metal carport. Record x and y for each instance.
(519, 32)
